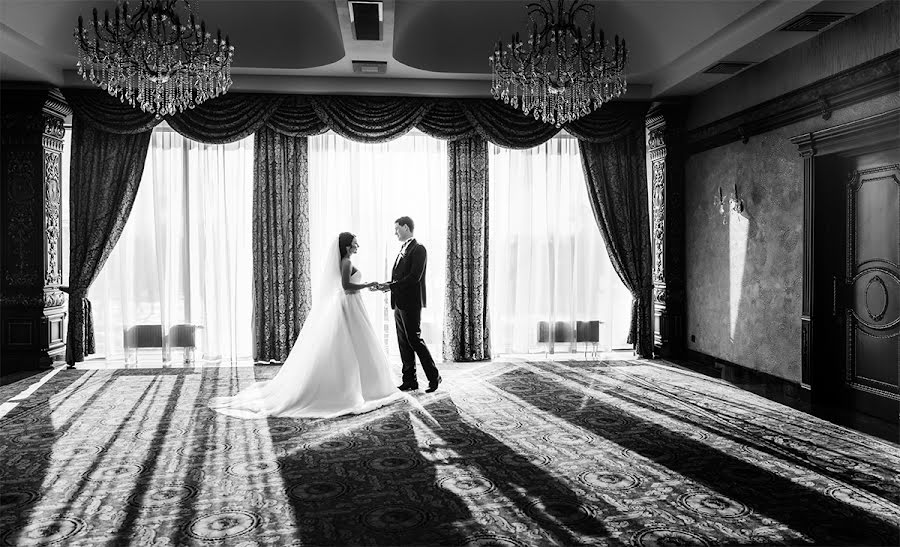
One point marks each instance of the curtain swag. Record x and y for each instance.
(611, 140)
(234, 116)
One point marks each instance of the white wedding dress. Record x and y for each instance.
(335, 367)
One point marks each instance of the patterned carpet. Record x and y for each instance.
(529, 453)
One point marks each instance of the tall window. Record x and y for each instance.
(548, 262)
(363, 188)
(184, 259)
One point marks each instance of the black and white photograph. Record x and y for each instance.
(482, 273)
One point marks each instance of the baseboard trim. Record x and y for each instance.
(786, 392)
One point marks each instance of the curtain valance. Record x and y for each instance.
(234, 116)
(107, 113)
(228, 118)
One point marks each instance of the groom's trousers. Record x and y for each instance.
(409, 338)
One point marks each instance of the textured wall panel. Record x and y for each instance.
(744, 278)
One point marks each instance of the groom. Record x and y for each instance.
(407, 288)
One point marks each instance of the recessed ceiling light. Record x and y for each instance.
(366, 18)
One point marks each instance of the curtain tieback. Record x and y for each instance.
(77, 292)
(643, 292)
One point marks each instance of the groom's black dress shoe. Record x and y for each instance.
(432, 386)
(407, 387)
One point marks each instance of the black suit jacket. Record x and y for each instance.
(408, 278)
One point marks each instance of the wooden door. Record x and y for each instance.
(872, 326)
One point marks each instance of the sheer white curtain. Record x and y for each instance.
(185, 256)
(363, 188)
(548, 262)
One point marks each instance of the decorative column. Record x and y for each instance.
(808, 153)
(665, 134)
(32, 307)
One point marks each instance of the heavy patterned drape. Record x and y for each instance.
(233, 116)
(616, 177)
(378, 119)
(467, 335)
(105, 172)
(281, 273)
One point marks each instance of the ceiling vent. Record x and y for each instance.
(370, 67)
(365, 19)
(813, 21)
(726, 68)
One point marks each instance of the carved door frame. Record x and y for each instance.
(870, 134)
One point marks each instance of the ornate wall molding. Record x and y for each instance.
(875, 78)
(52, 206)
(664, 125)
(54, 299)
(21, 200)
(54, 127)
(29, 300)
(657, 138)
(659, 219)
(19, 127)
(848, 137)
(49, 299)
(34, 311)
(54, 132)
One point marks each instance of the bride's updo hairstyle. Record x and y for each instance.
(345, 239)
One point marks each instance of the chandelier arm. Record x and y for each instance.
(148, 59)
(588, 11)
(576, 7)
(538, 8)
(191, 6)
(564, 71)
(548, 9)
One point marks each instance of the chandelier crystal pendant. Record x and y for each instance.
(565, 70)
(158, 58)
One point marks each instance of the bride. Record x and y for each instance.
(336, 366)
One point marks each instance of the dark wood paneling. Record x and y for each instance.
(833, 175)
(665, 132)
(33, 307)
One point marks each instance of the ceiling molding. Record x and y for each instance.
(430, 47)
(876, 78)
(374, 84)
(761, 19)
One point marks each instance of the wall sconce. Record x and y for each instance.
(734, 203)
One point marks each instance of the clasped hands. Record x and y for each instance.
(376, 286)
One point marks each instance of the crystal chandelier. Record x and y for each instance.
(558, 75)
(153, 58)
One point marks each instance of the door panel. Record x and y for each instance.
(873, 255)
(877, 220)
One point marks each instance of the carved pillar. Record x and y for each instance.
(665, 134)
(32, 324)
